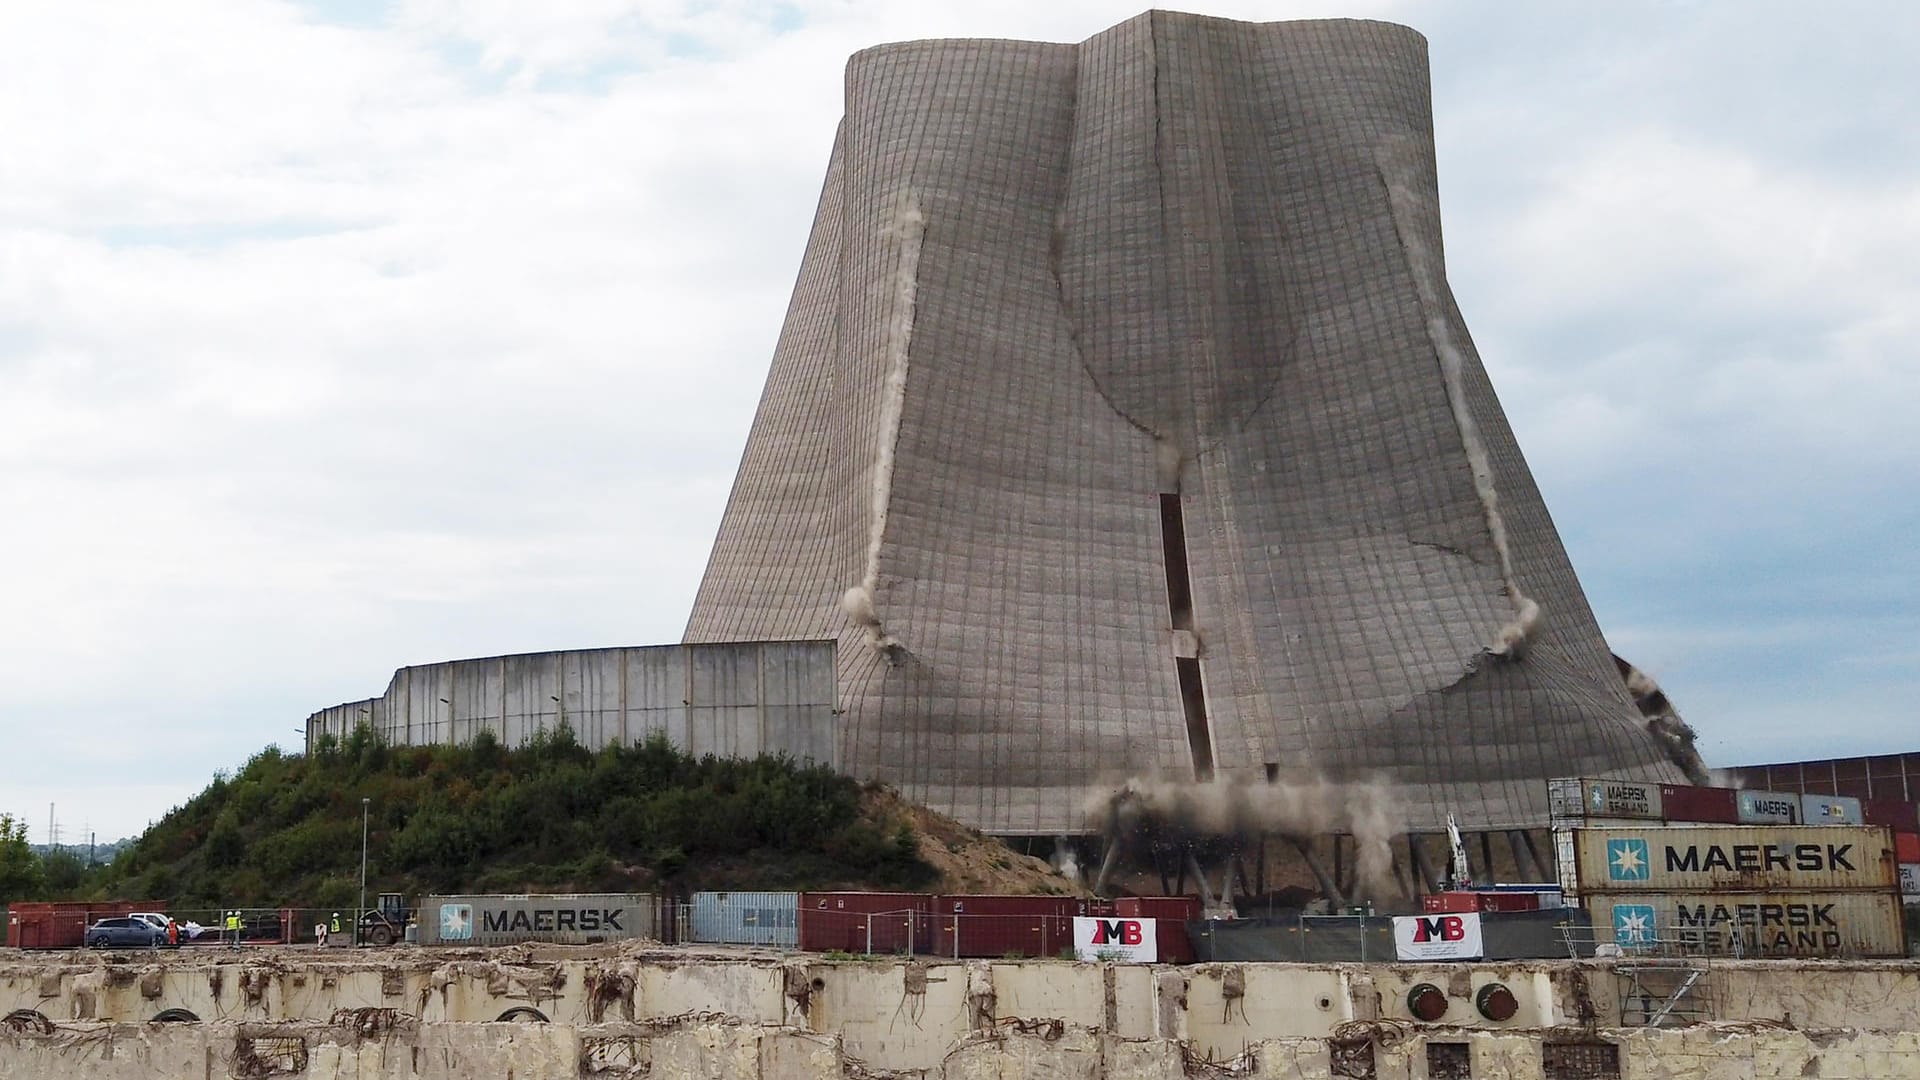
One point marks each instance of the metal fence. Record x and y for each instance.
(1302, 938)
(209, 927)
(900, 932)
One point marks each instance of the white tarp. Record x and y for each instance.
(1131, 941)
(1437, 937)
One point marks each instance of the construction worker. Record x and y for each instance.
(173, 933)
(334, 926)
(233, 927)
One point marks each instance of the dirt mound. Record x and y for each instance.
(968, 861)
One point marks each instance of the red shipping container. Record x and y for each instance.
(1509, 901)
(996, 926)
(1450, 903)
(62, 924)
(1893, 813)
(1157, 907)
(1720, 806)
(862, 923)
(1906, 847)
(1175, 946)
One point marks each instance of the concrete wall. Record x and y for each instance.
(732, 700)
(929, 1017)
(381, 1046)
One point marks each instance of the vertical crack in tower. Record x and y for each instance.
(1193, 691)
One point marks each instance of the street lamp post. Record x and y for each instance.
(360, 913)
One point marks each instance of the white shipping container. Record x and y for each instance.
(1829, 810)
(1732, 858)
(1769, 808)
(1597, 798)
(1566, 863)
(1804, 924)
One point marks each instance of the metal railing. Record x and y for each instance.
(1654, 940)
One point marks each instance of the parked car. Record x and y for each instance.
(125, 931)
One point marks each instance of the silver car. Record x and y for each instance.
(125, 931)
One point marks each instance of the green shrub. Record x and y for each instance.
(285, 828)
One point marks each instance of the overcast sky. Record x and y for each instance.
(340, 336)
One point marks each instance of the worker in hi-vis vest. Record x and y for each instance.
(334, 926)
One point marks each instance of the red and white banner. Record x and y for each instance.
(1130, 941)
(1437, 937)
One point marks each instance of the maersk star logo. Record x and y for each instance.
(456, 922)
(1633, 924)
(1627, 860)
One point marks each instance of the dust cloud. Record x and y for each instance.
(1231, 809)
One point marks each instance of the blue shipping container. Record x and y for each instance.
(747, 918)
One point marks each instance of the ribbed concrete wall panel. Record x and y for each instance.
(1049, 285)
(705, 699)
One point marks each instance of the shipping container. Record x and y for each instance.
(746, 918)
(1566, 860)
(1153, 907)
(62, 924)
(1605, 823)
(1495, 899)
(1768, 808)
(866, 922)
(1491, 902)
(1709, 805)
(1896, 814)
(1771, 924)
(1829, 810)
(1593, 798)
(559, 918)
(1174, 944)
(993, 926)
(1906, 847)
(1728, 858)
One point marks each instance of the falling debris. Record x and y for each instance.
(1674, 735)
(1408, 203)
(909, 227)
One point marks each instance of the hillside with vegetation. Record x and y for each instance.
(285, 829)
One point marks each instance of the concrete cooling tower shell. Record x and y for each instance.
(1123, 422)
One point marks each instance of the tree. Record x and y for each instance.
(22, 876)
(65, 872)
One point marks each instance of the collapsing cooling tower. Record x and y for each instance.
(1123, 421)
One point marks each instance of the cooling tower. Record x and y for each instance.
(1123, 422)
